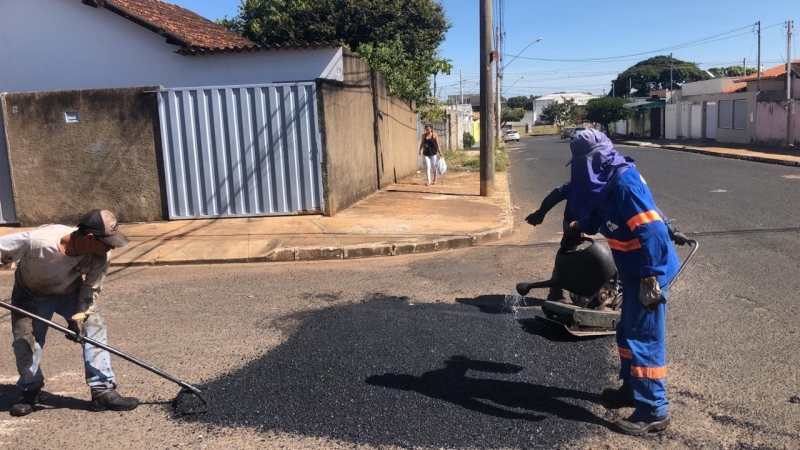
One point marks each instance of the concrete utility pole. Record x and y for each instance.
(670, 76)
(487, 135)
(789, 102)
(461, 84)
(499, 68)
(758, 63)
(744, 67)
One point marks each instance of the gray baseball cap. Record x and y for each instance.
(103, 224)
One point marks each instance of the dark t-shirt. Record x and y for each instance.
(431, 148)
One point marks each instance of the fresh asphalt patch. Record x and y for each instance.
(391, 372)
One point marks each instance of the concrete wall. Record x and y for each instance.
(729, 134)
(369, 140)
(108, 159)
(771, 121)
(62, 44)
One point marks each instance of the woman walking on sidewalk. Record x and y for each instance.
(429, 147)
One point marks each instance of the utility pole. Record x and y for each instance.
(630, 88)
(670, 77)
(499, 67)
(789, 102)
(461, 84)
(487, 138)
(744, 67)
(758, 63)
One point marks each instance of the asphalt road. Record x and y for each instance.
(413, 351)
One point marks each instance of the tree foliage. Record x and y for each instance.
(730, 71)
(607, 110)
(519, 101)
(560, 113)
(512, 115)
(654, 73)
(399, 38)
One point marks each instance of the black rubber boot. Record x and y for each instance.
(615, 398)
(25, 404)
(637, 427)
(104, 399)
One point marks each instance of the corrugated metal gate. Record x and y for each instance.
(239, 151)
(7, 213)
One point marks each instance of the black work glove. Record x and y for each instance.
(679, 238)
(535, 218)
(571, 237)
(650, 294)
(76, 326)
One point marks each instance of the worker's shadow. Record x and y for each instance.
(499, 398)
(9, 394)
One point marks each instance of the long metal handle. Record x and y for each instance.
(105, 347)
(683, 266)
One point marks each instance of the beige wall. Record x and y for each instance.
(106, 160)
(367, 137)
(729, 134)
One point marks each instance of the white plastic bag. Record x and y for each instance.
(441, 166)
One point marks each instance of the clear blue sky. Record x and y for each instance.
(583, 30)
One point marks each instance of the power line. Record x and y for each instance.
(705, 40)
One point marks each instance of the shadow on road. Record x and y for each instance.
(452, 384)
(495, 303)
(9, 394)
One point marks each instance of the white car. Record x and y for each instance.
(512, 135)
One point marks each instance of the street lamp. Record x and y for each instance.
(500, 81)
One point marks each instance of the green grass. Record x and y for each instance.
(462, 161)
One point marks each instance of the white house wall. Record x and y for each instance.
(63, 44)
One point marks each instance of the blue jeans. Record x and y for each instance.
(29, 338)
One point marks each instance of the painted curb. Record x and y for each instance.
(681, 148)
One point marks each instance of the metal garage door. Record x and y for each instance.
(711, 120)
(7, 213)
(240, 151)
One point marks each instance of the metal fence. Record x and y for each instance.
(238, 151)
(7, 213)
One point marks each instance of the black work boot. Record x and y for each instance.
(634, 426)
(26, 403)
(615, 398)
(105, 399)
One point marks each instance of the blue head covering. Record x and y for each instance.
(596, 165)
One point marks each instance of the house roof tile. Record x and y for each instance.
(736, 87)
(195, 34)
(771, 73)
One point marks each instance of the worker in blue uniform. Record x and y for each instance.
(609, 196)
(558, 195)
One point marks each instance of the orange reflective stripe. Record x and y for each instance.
(625, 353)
(649, 372)
(624, 246)
(643, 218)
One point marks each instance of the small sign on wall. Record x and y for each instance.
(71, 117)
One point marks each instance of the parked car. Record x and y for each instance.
(512, 135)
(566, 132)
(575, 131)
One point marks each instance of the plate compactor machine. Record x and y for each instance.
(588, 273)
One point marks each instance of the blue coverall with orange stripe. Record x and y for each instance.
(639, 240)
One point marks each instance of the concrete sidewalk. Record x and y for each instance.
(405, 218)
(786, 156)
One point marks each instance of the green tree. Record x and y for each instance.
(560, 113)
(512, 115)
(730, 71)
(654, 73)
(607, 110)
(399, 38)
(519, 101)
